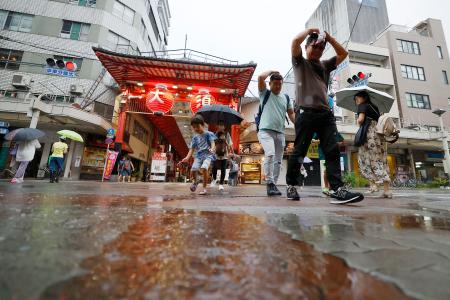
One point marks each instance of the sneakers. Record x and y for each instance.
(276, 190)
(342, 196)
(213, 183)
(272, 190)
(15, 180)
(292, 193)
(326, 192)
(204, 192)
(193, 187)
(221, 188)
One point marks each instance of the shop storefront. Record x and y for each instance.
(167, 92)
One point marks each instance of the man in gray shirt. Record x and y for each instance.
(313, 113)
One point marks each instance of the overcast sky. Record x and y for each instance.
(261, 30)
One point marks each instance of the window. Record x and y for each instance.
(444, 77)
(411, 72)
(78, 61)
(418, 101)
(118, 43)
(140, 132)
(153, 21)
(106, 111)
(123, 12)
(10, 59)
(3, 16)
(439, 50)
(75, 30)
(90, 3)
(408, 47)
(16, 21)
(448, 99)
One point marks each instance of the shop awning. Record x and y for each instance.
(126, 68)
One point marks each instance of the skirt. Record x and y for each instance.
(372, 157)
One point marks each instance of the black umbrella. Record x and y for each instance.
(24, 134)
(216, 113)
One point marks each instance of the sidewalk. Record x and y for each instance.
(404, 241)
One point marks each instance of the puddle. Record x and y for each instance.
(178, 254)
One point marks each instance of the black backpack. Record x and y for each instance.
(261, 109)
(221, 145)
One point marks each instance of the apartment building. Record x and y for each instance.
(36, 32)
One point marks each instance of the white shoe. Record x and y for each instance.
(221, 188)
(213, 183)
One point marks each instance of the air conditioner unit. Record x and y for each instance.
(21, 81)
(76, 89)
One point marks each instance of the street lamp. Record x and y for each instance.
(439, 112)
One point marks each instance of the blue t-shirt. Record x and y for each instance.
(201, 143)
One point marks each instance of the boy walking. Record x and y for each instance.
(204, 147)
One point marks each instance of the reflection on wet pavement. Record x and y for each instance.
(178, 254)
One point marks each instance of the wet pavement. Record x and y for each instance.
(86, 240)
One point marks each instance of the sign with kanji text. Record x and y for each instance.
(203, 98)
(60, 72)
(160, 99)
(159, 166)
(111, 158)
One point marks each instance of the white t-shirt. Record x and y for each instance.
(26, 150)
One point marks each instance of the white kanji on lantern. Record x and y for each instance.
(156, 94)
(203, 98)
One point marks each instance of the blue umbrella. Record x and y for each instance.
(24, 134)
(216, 113)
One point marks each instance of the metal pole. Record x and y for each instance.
(446, 161)
(104, 166)
(69, 159)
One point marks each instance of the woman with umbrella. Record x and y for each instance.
(26, 139)
(372, 155)
(57, 159)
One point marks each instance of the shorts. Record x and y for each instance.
(201, 163)
(124, 172)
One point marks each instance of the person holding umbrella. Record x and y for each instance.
(25, 154)
(313, 113)
(57, 159)
(372, 155)
(27, 141)
(224, 148)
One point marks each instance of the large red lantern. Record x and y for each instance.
(160, 99)
(201, 99)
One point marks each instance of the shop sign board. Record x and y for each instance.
(111, 158)
(159, 166)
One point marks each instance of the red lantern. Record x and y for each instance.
(160, 99)
(203, 98)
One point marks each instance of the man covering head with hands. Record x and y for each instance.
(313, 113)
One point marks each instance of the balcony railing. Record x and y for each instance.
(178, 54)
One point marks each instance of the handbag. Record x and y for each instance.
(361, 134)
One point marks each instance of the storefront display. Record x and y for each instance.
(92, 163)
(251, 173)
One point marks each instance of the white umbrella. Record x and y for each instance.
(382, 100)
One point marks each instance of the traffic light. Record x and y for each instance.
(61, 64)
(359, 79)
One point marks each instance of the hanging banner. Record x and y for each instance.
(110, 162)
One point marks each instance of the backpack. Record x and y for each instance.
(221, 145)
(387, 129)
(261, 109)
